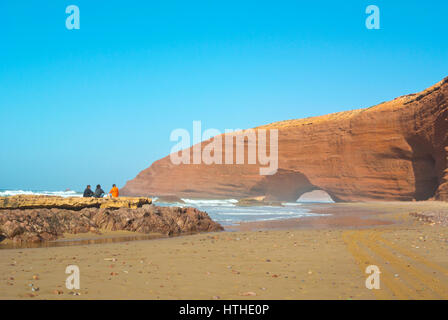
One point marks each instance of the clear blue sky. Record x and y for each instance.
(97, 105)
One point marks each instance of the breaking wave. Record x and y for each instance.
(227, 212)
(65, 194)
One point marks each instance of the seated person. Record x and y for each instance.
(99, 193)
(88, 192)
(114, 191)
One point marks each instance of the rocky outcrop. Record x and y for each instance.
(432, 217)
(165, 220)
(257, 202)
(71, 203)
(32, 225)
(396, 150)
(44, 223)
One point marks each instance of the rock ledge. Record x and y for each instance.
(39, 218)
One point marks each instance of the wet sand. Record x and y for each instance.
(347, 215)
(83, 239)
(310, 258)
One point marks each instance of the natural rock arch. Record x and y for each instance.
(394, 151)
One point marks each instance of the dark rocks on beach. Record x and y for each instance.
(34, 225)
(432, 217)
(166, 220)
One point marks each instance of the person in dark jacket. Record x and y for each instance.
(99, 193)
(88, 192)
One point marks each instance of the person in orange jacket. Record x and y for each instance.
(114, 191)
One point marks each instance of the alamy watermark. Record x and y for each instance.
(373, 280)
(73, 280)
(73, 21)
(213, 147)
(373, 20)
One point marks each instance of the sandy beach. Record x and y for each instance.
(310, 258)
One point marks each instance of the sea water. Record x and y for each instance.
(227, 212)
(65, 194)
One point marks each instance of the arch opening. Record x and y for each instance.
(287, 185)
(424, 169)
(316, 195)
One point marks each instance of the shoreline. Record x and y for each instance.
(328, 215)
(319, 260)
(346, 215)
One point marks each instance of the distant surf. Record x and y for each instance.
(69, 193)
(226, 212)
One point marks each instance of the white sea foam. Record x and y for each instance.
(291, 204)
(261, 213)
(65, 194)
(227, 212)
(315, 201)
(226, 202)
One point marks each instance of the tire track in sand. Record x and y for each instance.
(419, 277)
(363, 259)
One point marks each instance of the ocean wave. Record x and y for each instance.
(225, 202)
(227, 211)
(234, 220)
(261, 213)
(65, 194)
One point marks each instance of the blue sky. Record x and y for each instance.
(97, 105)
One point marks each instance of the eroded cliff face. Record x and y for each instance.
(396, 150)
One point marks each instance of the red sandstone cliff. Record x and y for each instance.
(396, 150)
